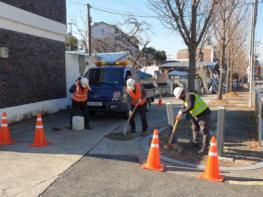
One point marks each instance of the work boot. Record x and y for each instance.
(131, 131)
(204, 147)
(144, 133)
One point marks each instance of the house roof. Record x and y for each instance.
(113, 57)
(186, 64)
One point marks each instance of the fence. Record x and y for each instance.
(259, 112)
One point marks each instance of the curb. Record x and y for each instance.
(193, 166)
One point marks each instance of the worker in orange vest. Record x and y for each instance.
(137, 97)
(80, 92)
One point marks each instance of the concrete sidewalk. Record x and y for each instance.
(27, 171)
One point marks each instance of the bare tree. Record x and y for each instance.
(237, 53)
(137, 32)
(191, 18)
(226, 21)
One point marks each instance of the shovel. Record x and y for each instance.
(125, 130)
(170, 145)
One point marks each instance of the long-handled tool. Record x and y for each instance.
(169, 145)
(125, 130)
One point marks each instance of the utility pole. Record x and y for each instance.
(70, 24)
(89, 29)
(252, 53)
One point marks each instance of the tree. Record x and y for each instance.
(226, 20)
(151, 56)
(71, 42)
(160, 57)
(237, 53)
(191, 18)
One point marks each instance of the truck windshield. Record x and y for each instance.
(105, 76)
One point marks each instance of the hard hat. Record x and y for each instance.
(130, 83)
(178, 91)
(84, 82)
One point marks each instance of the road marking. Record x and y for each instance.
(246, 182)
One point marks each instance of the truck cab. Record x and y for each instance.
(108, 84)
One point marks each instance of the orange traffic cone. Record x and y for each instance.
(40, 139)
(153, 160)
(212, 172)
(4, 131)
(160, 102)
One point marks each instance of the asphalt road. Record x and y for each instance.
(94, 176)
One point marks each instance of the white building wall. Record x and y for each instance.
(73, 69)
(22, 21)
(26, 111)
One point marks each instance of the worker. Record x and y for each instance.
(200, 116)
(79, 100)
(137, 96)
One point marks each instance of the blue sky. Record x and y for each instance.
(160, 38)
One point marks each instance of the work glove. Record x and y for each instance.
(130, 113)
(179, 115)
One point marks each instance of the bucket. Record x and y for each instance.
(78, 123)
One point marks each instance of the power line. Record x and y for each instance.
(123, 14)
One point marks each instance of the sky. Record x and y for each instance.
(160, 37)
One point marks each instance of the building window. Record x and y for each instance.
(4, 52)
(102, 31)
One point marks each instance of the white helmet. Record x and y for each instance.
(177, 92)
(84, 82)
(130, 83)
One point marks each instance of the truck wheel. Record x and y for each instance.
(92, 113)
(125, 115)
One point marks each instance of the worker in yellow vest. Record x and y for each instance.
(200, 115)
(79, 100)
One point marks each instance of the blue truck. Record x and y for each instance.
(108, 84)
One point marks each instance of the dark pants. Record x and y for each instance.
(200, 126)
(142, 111)
(78, 108)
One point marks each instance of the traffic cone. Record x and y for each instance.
(39, 139)
(160, 102)
(153, 160)
(5, 137)
(212, 172)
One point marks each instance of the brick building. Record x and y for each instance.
(32, 58)
(206, 54)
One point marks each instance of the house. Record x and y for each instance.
(206, 54)
(32, 58)
(109, 38)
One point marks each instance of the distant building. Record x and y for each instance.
(206, 54)
(109, 38)
(32, 57)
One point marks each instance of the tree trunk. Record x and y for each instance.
(191, 73)
(222, 70)
(227, 79)
(222, 59)
(231, 78)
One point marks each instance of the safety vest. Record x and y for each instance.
(137, 95)
(80, 94)
(199, 106)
